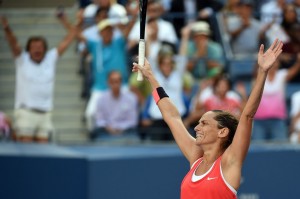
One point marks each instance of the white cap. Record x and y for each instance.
(201, 27)
(104, 24)
(90, 11)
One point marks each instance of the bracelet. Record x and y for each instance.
(158, 94)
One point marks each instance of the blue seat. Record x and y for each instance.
(291, 88)
(241, 69)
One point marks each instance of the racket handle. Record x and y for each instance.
(141, 58)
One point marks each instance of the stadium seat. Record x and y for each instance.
(241, 69)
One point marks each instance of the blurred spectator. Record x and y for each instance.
(35, 75)
(117, 13)
(108, 54)
(166, 31)
(91, 33)
(206, 57)
(206, 8)
(182, 12)
(6, 129)
(220, 98)
(153, 45)
(169, 72)
(84, 3)
(270, 118)
(297, 6)
(291, 26)
(117, 110)
(230, 7)
(295, 118)
(244, 30)
(272, 11)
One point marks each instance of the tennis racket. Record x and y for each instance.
(141, 61)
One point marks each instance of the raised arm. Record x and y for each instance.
(12, 40)
(73, 31)
(126, 30)
(171, 116)
(237, 151)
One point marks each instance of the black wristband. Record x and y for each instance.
(158, 94)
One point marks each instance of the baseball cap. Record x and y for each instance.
(201, 27)
(104, 24)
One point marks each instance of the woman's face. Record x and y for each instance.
(207, 129)
(222, 87)
(166, 66)
(290, 14)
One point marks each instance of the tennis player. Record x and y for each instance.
(217, 152)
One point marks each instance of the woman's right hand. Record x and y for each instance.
(146, 70)
(147, 73)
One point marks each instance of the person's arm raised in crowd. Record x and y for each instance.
(61, 16)
(294, 69)
(126, 30)
(185, 36)
(11, 38)
(72, 33)
(172, 117)
(237, 151)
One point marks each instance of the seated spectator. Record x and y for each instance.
(6, 131)
(295, 118)
(270, 118)
(244, 30)
(221, 97)
(117, 110)
(205, 56)
(169, 72)
(108, 54)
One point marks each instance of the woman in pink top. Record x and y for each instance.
(219, 100)
(270, 118)
(217, 152)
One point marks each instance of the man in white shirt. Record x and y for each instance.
(35, 77)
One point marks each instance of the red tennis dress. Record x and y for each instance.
(211, 186)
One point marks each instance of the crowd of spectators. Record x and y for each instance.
(185, 46)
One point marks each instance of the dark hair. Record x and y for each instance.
(226, 119)
(101, 9)
(222, 77)
(36, 38)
